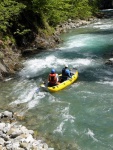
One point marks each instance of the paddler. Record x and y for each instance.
(53, 78)
(66, 73)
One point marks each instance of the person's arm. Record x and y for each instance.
(69, 73)
(57, 76)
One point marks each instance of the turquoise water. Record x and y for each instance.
(79, 117)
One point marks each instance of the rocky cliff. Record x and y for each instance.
(9, 58)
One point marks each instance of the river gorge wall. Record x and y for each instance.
(11, 56)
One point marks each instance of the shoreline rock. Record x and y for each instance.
(109, 61)
(10, 58)
(73, 24)
(17, 137)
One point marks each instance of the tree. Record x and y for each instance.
(9, 12)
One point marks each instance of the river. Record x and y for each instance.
(80, 117)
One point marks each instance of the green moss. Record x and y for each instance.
(35, 134)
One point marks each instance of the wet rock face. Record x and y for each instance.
(42, 42)
(109, 61)
(9, 59)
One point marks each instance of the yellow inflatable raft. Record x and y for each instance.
(64, 84)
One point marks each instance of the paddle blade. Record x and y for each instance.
(42, 85)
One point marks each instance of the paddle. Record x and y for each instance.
(42, 86)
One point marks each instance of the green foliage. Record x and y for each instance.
(56, 11)
(82, 10)
(21, 17)
(9, 11)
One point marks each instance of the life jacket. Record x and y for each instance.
(52, 78)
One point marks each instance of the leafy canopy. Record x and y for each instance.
(9, 11)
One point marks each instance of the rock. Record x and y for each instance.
(25, 145)
(0, 115)
(45, 146)
(14, 132)
(15, 145)
(24, 129)
(9, 146)
(7, 142)
(2, 126)
(1, 133)
(1, 55)
(1, 42)
(5, 137)
(3, 67)
(2, 141)
(109, 61)
(6, 128)
(14, 135)
(2, 148)
(18, 137)
(31, 132)
(28, 139)
(64, 27)
(7, 114)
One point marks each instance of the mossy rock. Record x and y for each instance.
(35, 134)
(1, 55)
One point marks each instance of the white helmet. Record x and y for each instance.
(66, 66)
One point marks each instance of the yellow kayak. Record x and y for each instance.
(64, 84)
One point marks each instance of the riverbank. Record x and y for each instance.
(11, 56)
(18, 137)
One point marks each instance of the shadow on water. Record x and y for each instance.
(99, 73)
(101, 32)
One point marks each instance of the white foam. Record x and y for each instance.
(85, 62)
(105, 10)
(111, 135)
(29, 95)
(35, 100)
(8, 79)
(25, 96)
(106, 82)
(37, 67)
(65, 117)
(103, 26)
(76, 41)
(59, 129)
(33, 66)
(98, 23)
(91, 134)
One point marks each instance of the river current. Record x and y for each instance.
(80, 117)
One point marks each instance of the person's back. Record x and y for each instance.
(66, 73)
(53, 78)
